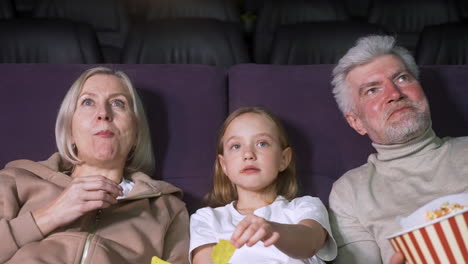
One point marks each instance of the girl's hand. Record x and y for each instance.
(83, 194)
(253, 229)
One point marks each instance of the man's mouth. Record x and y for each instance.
(399, 110)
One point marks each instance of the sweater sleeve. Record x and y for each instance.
(16, 230)
(355, 243)
(176, 242)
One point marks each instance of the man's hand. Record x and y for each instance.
(397, 258)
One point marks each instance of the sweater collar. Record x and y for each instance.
(420, 145)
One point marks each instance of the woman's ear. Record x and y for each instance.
(286, 157)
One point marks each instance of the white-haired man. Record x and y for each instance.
(376, 87)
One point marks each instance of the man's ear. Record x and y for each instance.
(286, 157)
(222, 163)
(355, 122)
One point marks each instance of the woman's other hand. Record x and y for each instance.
(253, 229)
(84, 194)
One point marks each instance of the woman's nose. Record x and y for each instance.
(104, 114)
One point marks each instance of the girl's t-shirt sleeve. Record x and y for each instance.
(201, 231)
(308, 207)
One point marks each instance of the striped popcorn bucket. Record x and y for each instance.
(444, 240)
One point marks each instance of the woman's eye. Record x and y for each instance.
(87, 102)
(118, 103)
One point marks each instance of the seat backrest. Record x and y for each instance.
(6, 9)
(147, 10)
(358, 9)
(185, 105)
(24, 8)
(326, 147)
(285, 12)
(47, 41)
(407, 18)
(186, 41)
(108, 18)
(317, 43)
(443, 44)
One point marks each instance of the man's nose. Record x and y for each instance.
(394, 92)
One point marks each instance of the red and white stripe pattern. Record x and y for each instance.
(442, 242)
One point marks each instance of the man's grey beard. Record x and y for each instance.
(413, 125)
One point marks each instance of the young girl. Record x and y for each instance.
(255, 188)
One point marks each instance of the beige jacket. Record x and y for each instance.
(150, 221)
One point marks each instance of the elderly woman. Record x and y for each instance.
(93, 202)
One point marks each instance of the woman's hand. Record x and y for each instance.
(84, 194)
(253, 229)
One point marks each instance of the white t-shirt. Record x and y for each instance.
(209, 225)
(127, 186)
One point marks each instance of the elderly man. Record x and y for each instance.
(376, 87)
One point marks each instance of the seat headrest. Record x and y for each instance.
(47, 41)
(186, 41)
(318, 43)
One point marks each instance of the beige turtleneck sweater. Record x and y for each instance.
(397, 180)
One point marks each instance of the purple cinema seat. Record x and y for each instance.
(185, 105)
(325, 146)
(300, 96)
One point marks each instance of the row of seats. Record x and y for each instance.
(356, 9)
(112, 19)
(211, 42)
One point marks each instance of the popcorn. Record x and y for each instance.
(445, 209)
(222, 252)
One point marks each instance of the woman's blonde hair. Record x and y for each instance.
(141, 158)
(224, 191)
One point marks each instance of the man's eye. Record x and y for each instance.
(118, 103)
(403, 78)
(371, 91)
(87, 102)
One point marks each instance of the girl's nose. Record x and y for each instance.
(249, 155)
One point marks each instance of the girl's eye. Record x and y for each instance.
(235, 146)
(118, 103)
(263, 144)
(87, 102)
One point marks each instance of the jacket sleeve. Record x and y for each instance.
(355, 243)
(15, 230)
(176, 242)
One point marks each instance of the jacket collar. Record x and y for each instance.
(52, 170)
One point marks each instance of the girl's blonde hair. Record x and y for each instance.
(224, 191)
(140, 159)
